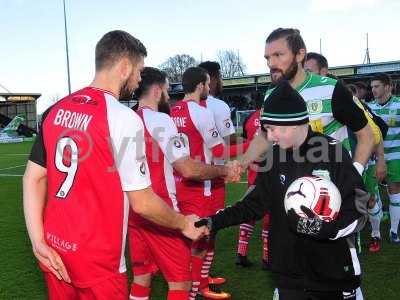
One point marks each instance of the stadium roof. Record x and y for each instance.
(19, 97)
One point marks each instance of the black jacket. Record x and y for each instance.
(300, 261)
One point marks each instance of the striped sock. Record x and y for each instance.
(245, 232)
(205, 269)
(197, 263)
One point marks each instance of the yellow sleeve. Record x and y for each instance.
(375, 129)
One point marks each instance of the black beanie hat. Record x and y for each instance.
(284, 107)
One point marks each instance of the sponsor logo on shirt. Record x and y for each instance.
(177, 143)
(282, 178)
(83, 99)
(60, 243)
(142, 168)
(214, 133)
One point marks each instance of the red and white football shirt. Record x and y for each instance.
(197, 129)
(224, 124)
(250, 128)
(92, 147)
(163, 148)
(222, 115)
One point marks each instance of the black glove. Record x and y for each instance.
(208, 223)
(312, 226)
(202, 222)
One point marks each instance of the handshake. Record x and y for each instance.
(234, 171)
(196, 228)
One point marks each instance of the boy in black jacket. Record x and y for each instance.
(310, 258)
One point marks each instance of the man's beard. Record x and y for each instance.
(288, 75)
(218, 89)
(125, 93)
(163, 105)
(203, 96)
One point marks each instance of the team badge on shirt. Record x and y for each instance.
(314, 107)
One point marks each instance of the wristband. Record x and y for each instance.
(359, 167)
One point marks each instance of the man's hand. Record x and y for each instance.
(381, 170)
(191, 231)
(50, 259)
(234, 171)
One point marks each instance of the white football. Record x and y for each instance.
(318, 194)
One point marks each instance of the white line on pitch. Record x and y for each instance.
(10, 175)
(9, 168)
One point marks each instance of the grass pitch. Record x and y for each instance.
(20, 277)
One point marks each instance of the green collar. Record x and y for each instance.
(305, 82)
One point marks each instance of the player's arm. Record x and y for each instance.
(151, 207)
(252, 206)
(178, 154)
(34, 198)
(34, 201)
(226, 152)
(258, 146)
(381, 168)
(196, 170)
(348, 113)
(128, 132)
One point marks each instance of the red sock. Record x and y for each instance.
(197, 263)
(139, 292)
(265, 234)
(178, 295)
(245, 232)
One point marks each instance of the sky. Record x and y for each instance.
(32, 41)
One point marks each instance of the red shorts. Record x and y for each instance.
(153, 248)
(218, 202)
(199, 206)
(115, 287)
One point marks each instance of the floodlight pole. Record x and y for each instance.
(66, 48)
(367, 59)
(320, 45)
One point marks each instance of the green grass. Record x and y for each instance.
(21, 279)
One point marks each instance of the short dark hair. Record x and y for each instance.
(321, 60)
(384, 78)
(150, 76)
(116, 44)
(192, 77)
(352, 88)
(212, 67)
(293, 38)
(361, 85)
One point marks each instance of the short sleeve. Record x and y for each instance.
(163, 130)
(222, 117)
(38, 151)
(127, 137)
(203, 119)
(345, 110)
